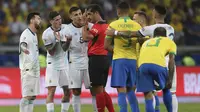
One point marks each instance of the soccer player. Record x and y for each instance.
(152, 66)
(98, 59)
(29, 62)
(78, 67)
(159, 13)
(124, 59)
(56, 43)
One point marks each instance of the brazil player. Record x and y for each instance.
(159, 13)
(152, 66)
(124, 59)
(29, 62)
(98, 60)
(57, 44)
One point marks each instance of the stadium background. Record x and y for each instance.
(183, 15)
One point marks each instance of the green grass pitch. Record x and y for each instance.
(183, 107)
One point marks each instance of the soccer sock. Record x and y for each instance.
(65, 106)
(76, 103)
(149, 105)
(30, 106)
(109, 103)
(154, 102)
(157, 102)
(174, 103)
(122, 102)
(167, 98)
(94, 104)
(100, 100)
(50, 107)
(24, 104)
(133, 101)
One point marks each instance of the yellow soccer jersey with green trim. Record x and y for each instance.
(155, 49)
(124, 47)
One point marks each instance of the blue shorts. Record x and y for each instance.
(148, 73)
(123, 73)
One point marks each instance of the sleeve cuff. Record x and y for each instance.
(172, 53)
(108, 37)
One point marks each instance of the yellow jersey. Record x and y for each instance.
(155, 49)
(124, 47)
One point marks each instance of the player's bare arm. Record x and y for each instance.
(171, 65)
(23, 47)
(65, 44)
(86, 34)
(50, 48)
(127, 34)
(108, 44)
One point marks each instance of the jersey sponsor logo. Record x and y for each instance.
(95, 30)
(125, 26)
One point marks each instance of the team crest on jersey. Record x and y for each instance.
(24, 38)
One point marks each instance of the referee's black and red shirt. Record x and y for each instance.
(96, 45)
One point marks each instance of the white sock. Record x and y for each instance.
(154, 102)
(76, 104)
(24, 104)
(94, 103)
(65, 106)
(50, 107)
(174, 103)
(30, 106)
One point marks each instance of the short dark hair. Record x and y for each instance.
(95, 8)
(123, 5)
(160, 31)
(31, 16)
(72, 9)
(142, 13)
(53, 14)
(160, 9)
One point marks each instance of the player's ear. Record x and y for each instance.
(51, 21)
(71, 16)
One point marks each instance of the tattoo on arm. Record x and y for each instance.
(24, 48)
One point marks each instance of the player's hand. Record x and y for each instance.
(110, 32)
(125, 34)
(68, 38)
(57, 35)
(84, 18)
(169, 84)
(26, 52)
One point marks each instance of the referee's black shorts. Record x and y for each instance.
(98, 69)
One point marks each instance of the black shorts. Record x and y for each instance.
(98, 70)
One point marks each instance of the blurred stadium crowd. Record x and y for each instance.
(183, 15)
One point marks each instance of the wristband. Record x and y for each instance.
(115, 33)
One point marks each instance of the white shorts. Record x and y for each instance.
(76, 77)
(30, 84)
(56, 77)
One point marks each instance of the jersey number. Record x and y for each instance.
(153, 44)
(128, 44)
(81, 40)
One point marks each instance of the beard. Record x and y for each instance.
(37, 26)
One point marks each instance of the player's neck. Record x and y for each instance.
(32, 28)
(55, 29)
(76, 25)
(99, 19)
(160, 21)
